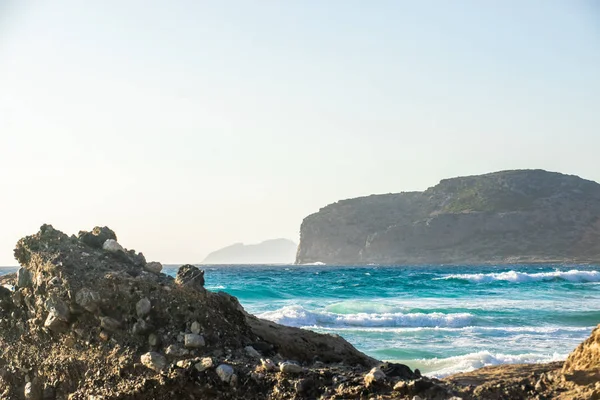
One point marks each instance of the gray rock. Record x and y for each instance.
(58, 307)
(251, 351)
(24, 279)
(143, 307)
(141, 327)
(195, 328)
(193, 341)
(154, 361)
(154, 267)
(55, 324)
(289, 367)
(110, 324)
(153, 340)
(204, 364)
(88, 299)
(112, 246)
(374, 376)
(225, 372)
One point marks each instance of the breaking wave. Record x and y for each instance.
(573, 275)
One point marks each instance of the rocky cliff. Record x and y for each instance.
(502, 217)
(274, 251)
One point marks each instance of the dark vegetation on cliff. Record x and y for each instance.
(502, 217)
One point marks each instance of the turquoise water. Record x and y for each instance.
(436, 318)
(439, 319)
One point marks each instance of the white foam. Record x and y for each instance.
(442, 367)
(469, 329)
(217, 287)
(299, 316)
(573, 275)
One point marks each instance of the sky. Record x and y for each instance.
(189, 125)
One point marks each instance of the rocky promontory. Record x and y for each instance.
(86, 319)
(520, 216)
(274, 251)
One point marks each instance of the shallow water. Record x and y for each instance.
(441, 319)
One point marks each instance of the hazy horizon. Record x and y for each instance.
(189, 126)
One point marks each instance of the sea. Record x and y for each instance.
(440, 319)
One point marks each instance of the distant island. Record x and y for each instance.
(275, 251)
(519, 216)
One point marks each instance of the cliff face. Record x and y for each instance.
(502, 217)
(275, 251)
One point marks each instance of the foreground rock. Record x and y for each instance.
(92, 323)
(473, 220)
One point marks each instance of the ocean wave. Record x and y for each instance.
(299, 316)
(470, 329)
(573, 275)
(442, 367)
(217, 287)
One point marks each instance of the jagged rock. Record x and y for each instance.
(190, 276)
(251, 351)
(112, 246)
(586, 357)
(374, 376)
(110, 324)
(154, 267)
(58, 308)
(88, 299)
(143, 307)
(204, 364)
(225, 372)
(154, 361)
(195, 327)
(55, 324)
(24, 278)
(193, 341)
(97, 237)
(289, 367)
(176, 351)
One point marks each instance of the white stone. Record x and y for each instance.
(268, 364)
(225, 372)
(154, 361)
(193, 341)
(288, 367)
(112, 245)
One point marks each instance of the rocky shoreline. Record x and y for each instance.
(85, 318)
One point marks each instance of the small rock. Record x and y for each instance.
(153, 340)
(154, 267)
(252, 352)
(195, 327)
(268, 364)
(234, 380)
(374, 376)
(24, 278)
(176, 351)
(143, 307)
(225, 372)
(417, 398)
(58, 307)
(154, 361)
(204, 364)
(110, 324)
(288, 367)
(140, 327)
(193, 341)
(55, 324)
(112, 246)
(88, 299)
(540, 386)
(304, 385)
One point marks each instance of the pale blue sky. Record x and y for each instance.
(189, 125)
